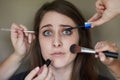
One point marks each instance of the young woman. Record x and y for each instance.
(53, 42)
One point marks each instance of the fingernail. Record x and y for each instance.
(37, 68)
(102, 58)
(29, 41)
(40, 71)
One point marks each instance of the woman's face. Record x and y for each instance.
(55, 41)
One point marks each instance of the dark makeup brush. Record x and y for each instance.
(77, 49)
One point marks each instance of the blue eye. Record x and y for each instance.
(67, 32)
(47, 33)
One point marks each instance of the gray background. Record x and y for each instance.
(22, 12)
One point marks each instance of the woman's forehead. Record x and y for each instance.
(55, 18)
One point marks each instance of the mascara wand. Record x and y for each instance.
(87, 25)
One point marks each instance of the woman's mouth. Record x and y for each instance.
(58, 54)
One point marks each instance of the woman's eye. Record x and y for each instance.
(47, 33)
(67, 32)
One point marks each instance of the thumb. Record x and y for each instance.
(99, 22)
(96, 20)
(32, 74)
(95, 17)
(103, 19)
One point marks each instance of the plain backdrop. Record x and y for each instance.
(23, 11)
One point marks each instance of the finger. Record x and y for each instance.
(14, 29)
(96, 56)
(53, 77)
(30, 38)
(102, 46)
(43, 74)
(100, 5)
(24, 29)
(102, 57)
(96, 15)
(50, 75)
(20, 36)
(17, 35)
(101, 8)
(33, 36)
(98, 45)
(40, 70)
(100, 11)
(94, 18)
(32, 74)
(103, 19)
(106, 46)
(105, 60)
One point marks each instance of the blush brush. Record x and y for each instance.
(77, 49)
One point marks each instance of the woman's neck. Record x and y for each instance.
(62, 73)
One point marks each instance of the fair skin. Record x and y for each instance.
(106, 10)
(52, 33)
(17, 56)
(21, 42)
(62, 65)
(16, 59)
(103, 8)
(111, 63)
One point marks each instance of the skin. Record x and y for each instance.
(106, 10)
(112, 64)
(54, 24)
(21, 42)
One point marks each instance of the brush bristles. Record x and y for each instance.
(75, 48)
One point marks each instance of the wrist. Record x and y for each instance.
(18, 56)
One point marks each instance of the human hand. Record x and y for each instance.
(105, 46)
(105, 11)
(43, 73)
(21, 40)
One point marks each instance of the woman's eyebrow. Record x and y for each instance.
(47, 25)
(62, 25)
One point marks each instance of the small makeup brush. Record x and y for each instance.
(87, 25)
(6, 29)
(47, 62)
(77, 49)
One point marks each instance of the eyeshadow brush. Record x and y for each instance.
(7, 29)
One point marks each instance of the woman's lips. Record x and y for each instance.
(58, 54)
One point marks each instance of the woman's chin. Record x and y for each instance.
(58, 64)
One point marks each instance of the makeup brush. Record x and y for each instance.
(47, 62)
(7, 29)
(87, 25)
(77, 49)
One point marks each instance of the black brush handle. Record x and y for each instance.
(47, 62)
(110, 54)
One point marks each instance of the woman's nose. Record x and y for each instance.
(57, 41)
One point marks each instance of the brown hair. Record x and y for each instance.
(84, 65)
